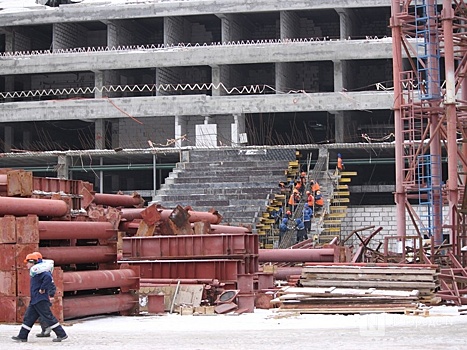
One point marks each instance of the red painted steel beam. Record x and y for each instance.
(76, 230)
(296, 255)
(149, 281)
(195, 216)
(79, 255)
(283, 273)
(217, 229)
(98, 279)
(118, 200)
(33, 206)
(97, 304)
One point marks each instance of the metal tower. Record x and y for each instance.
(430, 111)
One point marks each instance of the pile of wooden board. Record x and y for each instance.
(360, 288)
(344, 300)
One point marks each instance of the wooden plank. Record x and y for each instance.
(369, 270)
(369, 284)
(317, 291)
(369, 277)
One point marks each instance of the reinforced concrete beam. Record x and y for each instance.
(90, 12)
(189, 105)
(199, 56)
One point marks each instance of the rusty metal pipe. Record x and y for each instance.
(283, 273)
(94, 305)
(175, 281)
(27, 206)
(217, 229)
(195, 216)
(98, 279)
(76, 230)
(296, 255)
(79, 255)
(117, 200)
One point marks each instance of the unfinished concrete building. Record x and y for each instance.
(117, 93)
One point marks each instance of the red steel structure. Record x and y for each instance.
(432, 35)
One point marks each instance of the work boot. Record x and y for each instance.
(59, 339)
(44, 334)
(18, 339)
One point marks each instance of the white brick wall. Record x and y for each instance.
(379, 216)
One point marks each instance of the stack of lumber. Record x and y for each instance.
(344, 300)
(349, 288)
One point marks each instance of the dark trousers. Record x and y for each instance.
(301, 235)
(307, 226)
(42, 310)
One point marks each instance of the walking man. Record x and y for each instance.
(39, 306)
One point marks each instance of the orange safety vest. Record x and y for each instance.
(315, 187)
(339, 163)
(320, 201)
(310, 200)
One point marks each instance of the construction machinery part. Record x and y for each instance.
(130, 214)
(28, 206)
(82, 306)
(118, 200)
(76, 230)
(297, 255)
(80, 254)
(99, 279)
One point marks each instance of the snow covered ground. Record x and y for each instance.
(265, 329)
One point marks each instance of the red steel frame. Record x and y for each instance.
(445, 116)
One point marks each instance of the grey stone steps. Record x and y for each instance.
(229, 173)
(180, 187)
(231, 164)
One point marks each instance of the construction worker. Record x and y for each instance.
(307, 215)
(340, 164)
(39, 305)
(310, 200)
(300, 230)
(283, 229)
(319, 200)
(314, 186)
(294, 199)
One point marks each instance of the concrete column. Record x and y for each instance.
(341, 75)
(174, 30)
(181, 127)
(347, 19)
(339, 117)
(231, 29)
(285, 77)
(62, 168)
(8, 138)
(99, 127)
(216, 80)
(238, 130)
(98, 83)
(206, 134)
(289, 25)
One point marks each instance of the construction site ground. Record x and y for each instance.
(444, 328)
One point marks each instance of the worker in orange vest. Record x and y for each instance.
(340, 164)
(319, 200)
(294, 199)
(310, 199)
(314, 186)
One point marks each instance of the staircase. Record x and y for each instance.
(237, 183)
(337, 210)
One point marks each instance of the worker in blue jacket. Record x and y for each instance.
(300, 229)
(39, 306)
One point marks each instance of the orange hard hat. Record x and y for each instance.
(33, 256)
(307, 192)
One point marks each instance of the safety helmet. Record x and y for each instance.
(339, 155)
(33, 257)
(308, 192)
